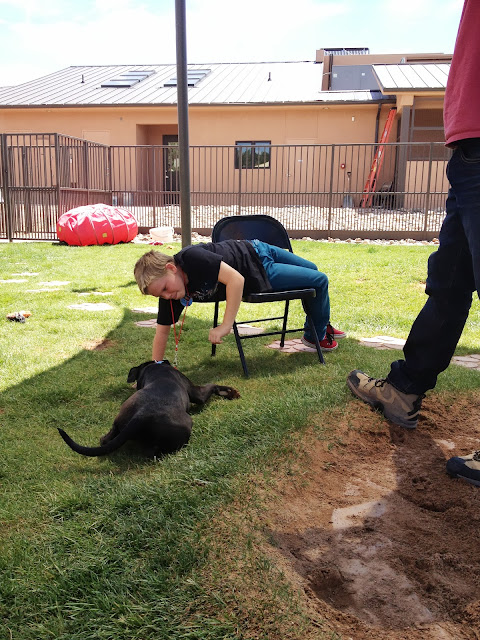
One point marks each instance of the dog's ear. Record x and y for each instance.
(133, 374)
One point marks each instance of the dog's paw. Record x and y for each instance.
(228, 392)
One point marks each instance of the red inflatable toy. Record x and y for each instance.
(96, 224)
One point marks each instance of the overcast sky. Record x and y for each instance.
(39, 37)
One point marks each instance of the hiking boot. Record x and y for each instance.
(400, 408)
(327, 344)
(336, 334)
(465, 467)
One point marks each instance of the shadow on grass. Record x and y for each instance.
(83, 394)
(127, 285)
(83, 537)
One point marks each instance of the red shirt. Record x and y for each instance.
(461, 112)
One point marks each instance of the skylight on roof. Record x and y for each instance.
(193, 78)
(128, 79)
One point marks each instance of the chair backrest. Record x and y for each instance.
(252, 227)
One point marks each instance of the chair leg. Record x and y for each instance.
(215, 323)
(315, 337)
(240, 349)
(285, 320)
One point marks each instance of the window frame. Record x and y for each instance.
(242, 145)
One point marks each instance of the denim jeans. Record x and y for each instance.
(453, 275)
(287, 271)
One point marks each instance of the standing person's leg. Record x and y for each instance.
(468, 467)
(453, 274)
(285, 270)
(437, 329)
(453, 271)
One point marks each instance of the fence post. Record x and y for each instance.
(109, 173)
(239, 212)
(86, 169)
(427, 195)
(6, 194)
(58, 175)
(27, 203)
(153, 191)
(330, 195)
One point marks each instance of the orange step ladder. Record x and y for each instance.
(377, 161)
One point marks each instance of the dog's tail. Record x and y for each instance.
(109, 447)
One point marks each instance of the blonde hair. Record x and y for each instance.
(149, 267)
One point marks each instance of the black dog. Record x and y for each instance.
(156, 414)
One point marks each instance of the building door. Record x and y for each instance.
(298, 162)
(171, 167)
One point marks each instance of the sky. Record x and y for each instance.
(38, 38)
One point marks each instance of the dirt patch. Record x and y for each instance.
(99, 345)
(381, 542)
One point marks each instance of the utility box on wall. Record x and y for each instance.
(353, 78)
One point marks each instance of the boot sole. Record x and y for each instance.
(469, 480)
(378, 405)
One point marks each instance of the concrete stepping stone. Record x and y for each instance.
(249, 330)
(147, 323)
(145, 310)
(25, 273)
(96, 293)
(383, 342)
(54, 283)
(91, 306)
(291, 346)
(470, 361)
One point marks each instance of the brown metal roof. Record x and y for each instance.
(227, 83)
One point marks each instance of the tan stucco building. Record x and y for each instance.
(278, 116)
(344, 96)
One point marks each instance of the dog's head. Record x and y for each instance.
(135, 373)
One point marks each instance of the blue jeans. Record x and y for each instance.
(287, 271)
(453, 275)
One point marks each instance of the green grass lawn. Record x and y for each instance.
(122, 548)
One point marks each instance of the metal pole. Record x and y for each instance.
(240, 158)
(182, 110)
(427, 195)
(58, 191)
(330, 195)
(6, 177)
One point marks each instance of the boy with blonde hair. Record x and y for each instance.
(226, 271)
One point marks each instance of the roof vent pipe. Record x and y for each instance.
(269, 76)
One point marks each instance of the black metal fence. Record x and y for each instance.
(395, 190)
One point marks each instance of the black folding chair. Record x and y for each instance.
(269, 230)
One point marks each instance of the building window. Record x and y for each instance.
(427, 126)
(251, 154)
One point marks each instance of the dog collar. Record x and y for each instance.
(159, 361)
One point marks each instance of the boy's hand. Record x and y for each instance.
(216, 334)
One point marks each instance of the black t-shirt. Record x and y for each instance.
(201, 264)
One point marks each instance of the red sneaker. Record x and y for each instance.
(327, 344)
(335, 333)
